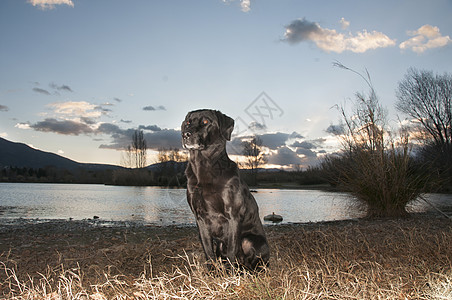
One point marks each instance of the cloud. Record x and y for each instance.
(125, 121)
(285, 149)
(295, 135)
(152, 108)
(149, 127)
(110, 128)
(306, 152)
(55, 87)
(329, 40)
(244, 4)
(3, 108)
(284, 157)
(50, 4)
(426, 37)
(304, 145)
(102, 109)
(256, 126)
(121, 138)
(335, 129)
(77, 109)
(235, 147)
(22, 125)
(344, 23)
(66, 127)
(88, 121)
(274, 140)
(309, 157)
(270, 140)
(166, 138)
(63, 87)
(117, 99)
(41, 91)
(72, 118)
(76, 118)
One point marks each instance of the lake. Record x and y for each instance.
(163, 206)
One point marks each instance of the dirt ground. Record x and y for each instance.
(95, 249)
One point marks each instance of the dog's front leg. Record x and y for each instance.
(233, 240)
(206, 239)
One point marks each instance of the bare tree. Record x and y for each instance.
(135, 154)
(126, 157)
(254, 157)
(139, 149)
(427, 98)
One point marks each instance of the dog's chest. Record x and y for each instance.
(208, 205)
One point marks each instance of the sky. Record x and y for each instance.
(78, 77)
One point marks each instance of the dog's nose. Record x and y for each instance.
(187, 134)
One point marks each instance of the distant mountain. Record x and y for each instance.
(20, 155)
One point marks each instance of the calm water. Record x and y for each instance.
(167, 206)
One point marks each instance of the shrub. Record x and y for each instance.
(373, 165)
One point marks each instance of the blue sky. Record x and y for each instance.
(78, 76)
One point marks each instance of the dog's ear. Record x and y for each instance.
(226, 125)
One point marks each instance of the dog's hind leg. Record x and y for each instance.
(256, 252)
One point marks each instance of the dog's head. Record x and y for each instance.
(204, 128)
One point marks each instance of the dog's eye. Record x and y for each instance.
(187, 122)
(205, 122)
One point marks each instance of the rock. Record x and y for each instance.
(273, 218)
(96, 217)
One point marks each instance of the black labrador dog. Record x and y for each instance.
(226, 213)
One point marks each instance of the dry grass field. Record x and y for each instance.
(408, 258)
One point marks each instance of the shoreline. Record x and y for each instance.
(99, 222)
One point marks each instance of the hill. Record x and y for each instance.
(23, 156)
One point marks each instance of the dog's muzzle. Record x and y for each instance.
(191, 142)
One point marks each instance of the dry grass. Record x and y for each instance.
(379, 259)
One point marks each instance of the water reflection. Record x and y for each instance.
(169, 206)
(306, 205)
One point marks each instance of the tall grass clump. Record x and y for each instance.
(375, 164)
